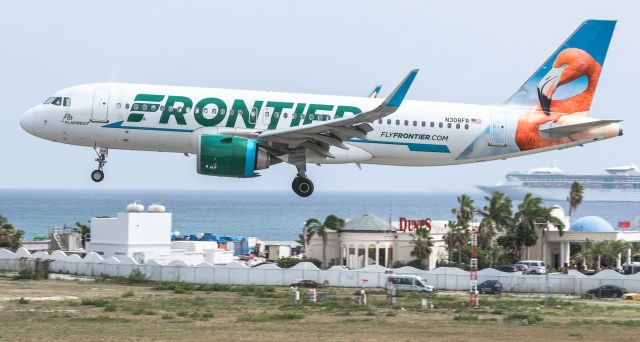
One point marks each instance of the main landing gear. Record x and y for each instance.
(302, 185)
(98, 175)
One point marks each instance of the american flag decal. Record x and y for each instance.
(476, 121)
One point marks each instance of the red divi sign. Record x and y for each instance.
(407, 225)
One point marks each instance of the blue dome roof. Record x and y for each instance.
(591, 224)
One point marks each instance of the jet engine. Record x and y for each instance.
(227, 156)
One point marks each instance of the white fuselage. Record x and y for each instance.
(419, 133)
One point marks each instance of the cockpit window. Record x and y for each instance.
(56, 101)
(67, 102)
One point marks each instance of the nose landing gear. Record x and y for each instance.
(98, 175)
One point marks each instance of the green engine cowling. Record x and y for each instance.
(225, 156)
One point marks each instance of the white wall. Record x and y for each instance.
(444, 278)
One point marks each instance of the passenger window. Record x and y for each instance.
(406, 122)
(277, 115)
(188, 109)
(197, 110)
(379, 121)
(266, 114)
(224, 111)
(388, 121)
(293, 116)
(135, 107)
(432, 124)
(118, 106)
(214, 110)
(440, 125)
(126, 106)
(398, 122)
(457, 126)
(424, 124)
(154, 107)
(162, 108)
(144, 107)
(285, 115)
(170, 109)
(449, 125)
(302, 116)
(67, 102)
(415, 123)
(466, 126)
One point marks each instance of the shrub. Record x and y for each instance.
(127, 294)
(99, 302)
(167, 316)
(137, 277)
(531, 318)
(270, 317)
(110, 308)
(22, 300)
(468, 318)
(291, 261)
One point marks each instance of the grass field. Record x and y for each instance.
(102, 310)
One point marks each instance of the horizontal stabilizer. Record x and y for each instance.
(555, 131)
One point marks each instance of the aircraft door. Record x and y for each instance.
(100, 109)
(498, 129)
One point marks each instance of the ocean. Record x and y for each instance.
(266, 215)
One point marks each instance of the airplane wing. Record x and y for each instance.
(554, 131)
(376, 91)
(319, 136)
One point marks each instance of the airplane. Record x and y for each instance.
(235, 133)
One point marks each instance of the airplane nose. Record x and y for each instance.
(27, 121)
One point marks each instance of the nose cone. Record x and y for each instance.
(27, 121)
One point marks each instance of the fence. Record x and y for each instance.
(443, 278)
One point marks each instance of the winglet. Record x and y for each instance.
(397, 95)
(376, 91)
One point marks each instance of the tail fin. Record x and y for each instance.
(566, 81)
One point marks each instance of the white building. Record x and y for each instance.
(369, 240)
(147, 235)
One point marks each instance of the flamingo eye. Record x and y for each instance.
(564, 65)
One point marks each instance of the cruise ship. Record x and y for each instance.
(618, 184)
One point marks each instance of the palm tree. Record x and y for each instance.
(455, 239)
(314, 227)
(532, 215)
(422, 245)
(85, 232)
(496, 217)
(9, 236)
(575, 196)
(465, 212)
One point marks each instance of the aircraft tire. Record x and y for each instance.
(302, 186)
(97, 176)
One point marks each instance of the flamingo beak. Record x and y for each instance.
(547, 87)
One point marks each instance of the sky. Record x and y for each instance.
(476, 52)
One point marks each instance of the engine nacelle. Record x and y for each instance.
(225, 156)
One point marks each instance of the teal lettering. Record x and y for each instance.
(346, 109)
(313, 108)
(248, 116)
(199, 111)
(170, 109)
(278, 107)
(297, 113)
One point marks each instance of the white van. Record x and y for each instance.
(408, 282)
(535, 266)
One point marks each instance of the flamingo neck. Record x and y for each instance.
(580, 102)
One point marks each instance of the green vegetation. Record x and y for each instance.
(9, 236)
(289, 262)
(40, 272)
(422, 244)
(128, 294)
(270, 317)
(314, 227)
(22, 300)
(575, 196)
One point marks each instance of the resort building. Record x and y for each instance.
(369, 240)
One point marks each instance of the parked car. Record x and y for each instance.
(307, 283)
(409, 282)
(508, 268)
(535, 266)
(606, 291)
(523, 268)
(490, 286)
(631, 296)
